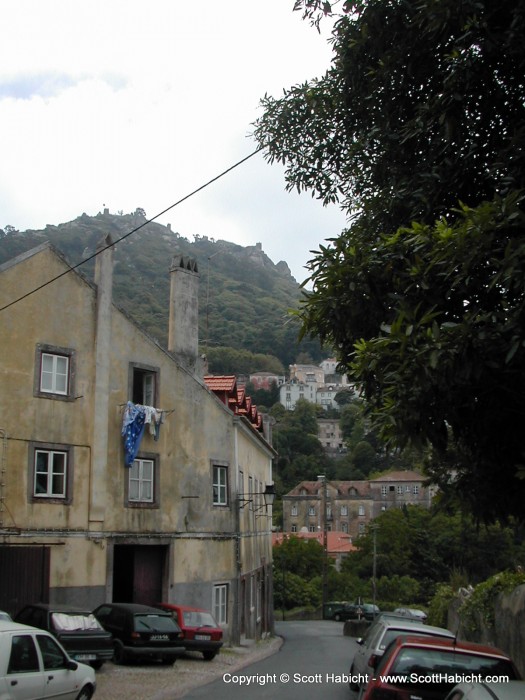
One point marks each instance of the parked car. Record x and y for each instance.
(331, 608)
(200, 630)
(511, 690)
(412, 612)
(33, 664)
(425, 667)
(141, 632)
(76, 629)
(357, 611)
(379, 635)
(4, 615)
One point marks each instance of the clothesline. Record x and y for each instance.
(160, 410)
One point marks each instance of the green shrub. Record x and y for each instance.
(439, 605)
(480, 605)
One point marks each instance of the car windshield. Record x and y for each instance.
(155, 623)
(194, 618)
(75, 621)
(391, 634)
(416, 666)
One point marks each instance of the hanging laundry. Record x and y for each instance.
(133, 425)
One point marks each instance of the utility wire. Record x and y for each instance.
(126, 235)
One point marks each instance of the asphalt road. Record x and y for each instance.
(312, 663)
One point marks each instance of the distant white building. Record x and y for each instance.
(313, 383)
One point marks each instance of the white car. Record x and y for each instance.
(509, 690)
(34, 666)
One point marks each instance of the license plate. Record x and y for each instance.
(203, 637)
(159, 637)
(85, 657)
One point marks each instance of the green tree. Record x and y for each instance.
(418, 130)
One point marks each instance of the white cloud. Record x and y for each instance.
(130, 104)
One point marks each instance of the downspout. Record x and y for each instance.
(3, 463)
(236, 630)
(104, 283)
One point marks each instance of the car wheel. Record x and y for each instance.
(353, 686)
(86, 693)
(337, 617)
(209, 655)
(119, 654)
(96, 664)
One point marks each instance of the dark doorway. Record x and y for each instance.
(138, 572)
(24, 576)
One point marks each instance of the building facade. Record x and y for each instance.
(352, 505)
(120, 468)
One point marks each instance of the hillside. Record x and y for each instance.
(244, 298)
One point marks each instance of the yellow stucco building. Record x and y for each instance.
(123, 475)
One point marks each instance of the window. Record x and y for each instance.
(312, 528)
(50, 477)
(54, 373)
(220, 603)
(294, 510)
(294, 528)
(344, 510)
(144, 381)
(415, 489)
(220, 485)
(361, 510)
(23, 657)
(400, 489)
(407, 488)
(384, 490)
(52, 655)
(361, 528)
(344, 527)
(311, 510)
(141, 481)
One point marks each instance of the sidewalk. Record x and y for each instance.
(152, 682)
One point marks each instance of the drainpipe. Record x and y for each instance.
(104, 282)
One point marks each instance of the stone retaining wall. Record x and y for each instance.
(508, 632)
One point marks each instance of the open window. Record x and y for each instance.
(144, 384)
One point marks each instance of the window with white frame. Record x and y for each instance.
(361, 510)
(415, 489)
(312, 528)
(294, 509)
(294, 528)
(50, 473)
(220, 485)
(400, 490)
(344, 527)
(220, 603)
(141, 488)
(311, 510)
(344, 511)
(54, 372)
(362, 528)
(384, 490)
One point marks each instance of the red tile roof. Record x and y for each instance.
(336, 542)
(225, 388)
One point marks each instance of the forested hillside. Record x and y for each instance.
(244, 299)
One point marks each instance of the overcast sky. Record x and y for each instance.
(136, 103)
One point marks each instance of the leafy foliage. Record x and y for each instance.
(418, 130)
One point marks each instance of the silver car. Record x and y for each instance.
(379, 635)
(510, 690)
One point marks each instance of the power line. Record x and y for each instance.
(126, 235)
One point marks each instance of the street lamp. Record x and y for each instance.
(322, 479)
(268, 495)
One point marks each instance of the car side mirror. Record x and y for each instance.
(71, 665)
(359, 640)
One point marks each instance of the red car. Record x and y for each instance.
(427, 668)
(201, 631)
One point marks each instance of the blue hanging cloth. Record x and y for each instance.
(132, 430)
